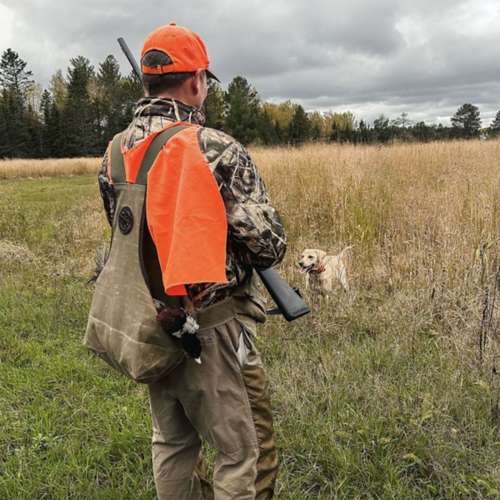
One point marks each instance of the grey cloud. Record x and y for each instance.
(424, 57)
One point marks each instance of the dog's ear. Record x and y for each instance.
(321, 254)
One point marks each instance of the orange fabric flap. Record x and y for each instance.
(186, 215)
(133, 157)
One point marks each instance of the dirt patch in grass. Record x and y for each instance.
(14, 253)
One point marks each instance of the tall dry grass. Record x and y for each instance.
(424, 220)
(12, 169)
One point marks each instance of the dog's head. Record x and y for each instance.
(311, 260)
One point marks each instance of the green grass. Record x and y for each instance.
(372, 399)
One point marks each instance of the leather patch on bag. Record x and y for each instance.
(125, 220)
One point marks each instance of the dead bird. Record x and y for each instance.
(180, 324)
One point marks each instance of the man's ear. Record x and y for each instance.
(197, 81)
(194, 85)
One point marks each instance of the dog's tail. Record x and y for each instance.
(341, 254)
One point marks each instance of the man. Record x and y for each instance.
(224, 400)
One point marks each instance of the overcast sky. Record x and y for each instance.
(368, 56)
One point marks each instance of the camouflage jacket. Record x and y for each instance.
(255, 233)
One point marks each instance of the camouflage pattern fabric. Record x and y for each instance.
(256, 236)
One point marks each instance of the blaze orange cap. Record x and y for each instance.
(174, 49)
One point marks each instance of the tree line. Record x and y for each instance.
(80, 112)
(240, 112)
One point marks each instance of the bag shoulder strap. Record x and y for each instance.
(118, 175)
(153, 150)
(117, 163)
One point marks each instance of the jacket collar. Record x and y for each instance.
(169, 108)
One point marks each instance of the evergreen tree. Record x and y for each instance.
(381, 129)
(13, 73)
(281, 134)
(300, 127)
(52, 136)
(35, 133)
(16, 121)
(109, 101)
(214, 106)
(363, 132)
(422, 132)
(4, 136)
(241, 110)
(16, 139)
(466, 121)
(78, 116)
(316, 132)
(495, 126)
(267, 129)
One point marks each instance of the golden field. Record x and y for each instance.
(13, 169)
(386, 392)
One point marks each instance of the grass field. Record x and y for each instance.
(387, 393)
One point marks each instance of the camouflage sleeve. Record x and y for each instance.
(106, 188)
(254, 225)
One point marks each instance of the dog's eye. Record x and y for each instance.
(310, 257)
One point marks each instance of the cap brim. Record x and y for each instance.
(211, 75)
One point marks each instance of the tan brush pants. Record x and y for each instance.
(225, 401)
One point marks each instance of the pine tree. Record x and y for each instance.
(422, 132)
(13, 73)
(214, 106)
(108, 105)
(495, 126)
(78, 114)
(299, 130)
(381, 129)
(363, 132)
(466, 121)
(242, 110)
(267, 130)
(16, 118)
(52, 136)
(4, 137)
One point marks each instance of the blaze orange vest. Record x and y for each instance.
(184, 209)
